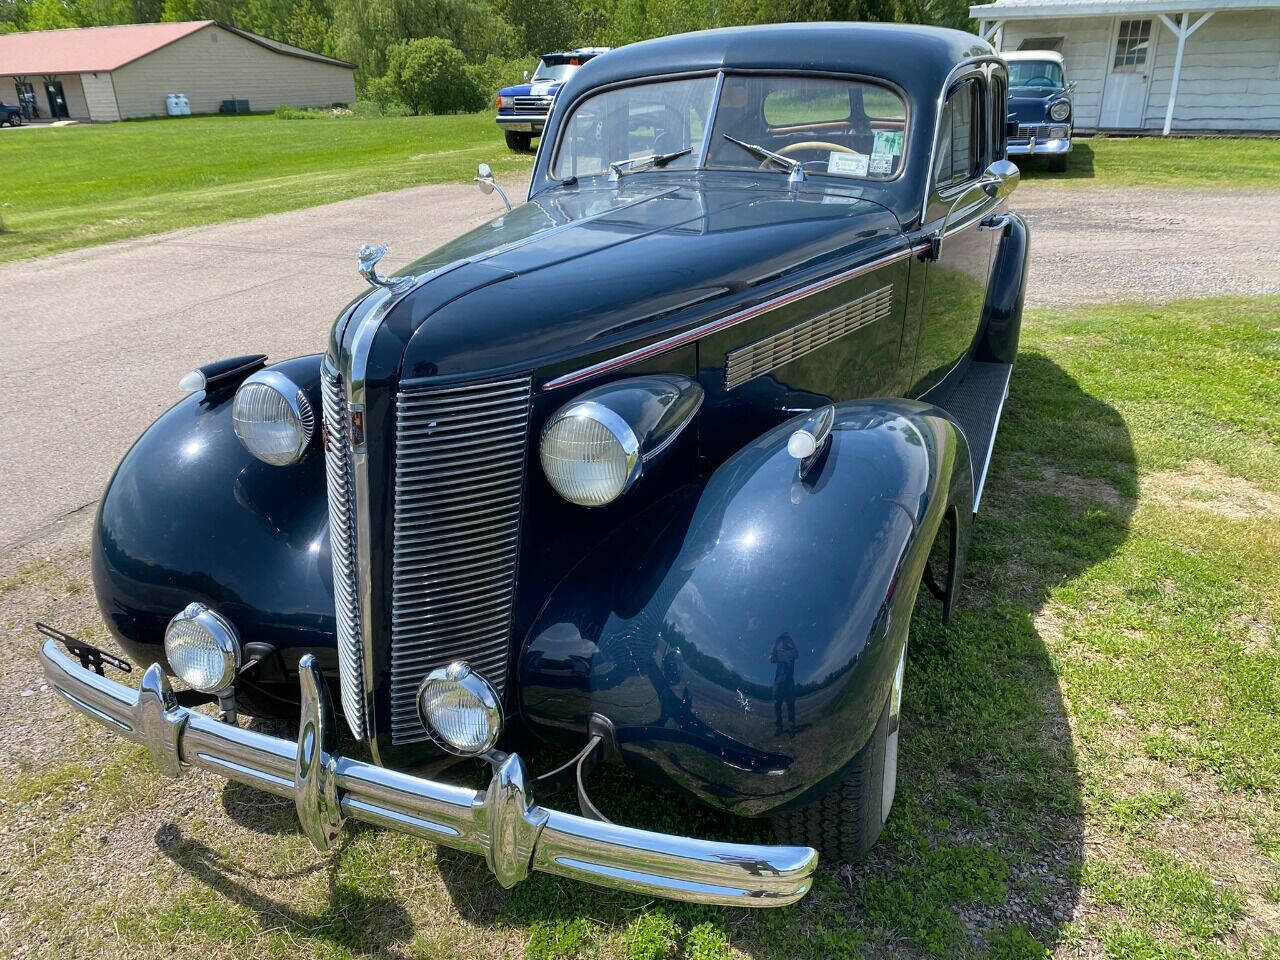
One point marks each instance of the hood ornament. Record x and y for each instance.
(368, 258)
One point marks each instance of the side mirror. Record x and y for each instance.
(526, 76)
(484, 180)
(1071, 85)
(1000, 179)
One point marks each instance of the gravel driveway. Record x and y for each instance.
(95, 340)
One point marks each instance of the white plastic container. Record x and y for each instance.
(184, 105)
(172, 106)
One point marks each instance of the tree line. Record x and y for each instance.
(443, 56)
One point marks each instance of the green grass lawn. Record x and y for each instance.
(1090, 752)
(82, 185)
(1157, 161)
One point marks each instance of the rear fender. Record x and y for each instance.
(674, 628)
(1002, 315)
(190, 515)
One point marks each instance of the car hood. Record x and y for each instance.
(542, 88)
(583, 269)
(1031, 104)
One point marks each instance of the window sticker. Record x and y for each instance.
(887, 146)
(850, 164)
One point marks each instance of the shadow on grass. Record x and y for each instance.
(983, 849)
(354, 919)
(1079, 165)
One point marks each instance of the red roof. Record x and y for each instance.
(87, 49)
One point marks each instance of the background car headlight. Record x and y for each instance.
(1060, 110)
(203, 648)
(589, 454)
(505, 102)
(460, 709)
(273, 418)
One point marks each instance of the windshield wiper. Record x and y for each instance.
(620, 168)
(794, 167)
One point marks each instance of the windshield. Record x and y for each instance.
(1035, 73)
(835, 127)
(556, 72)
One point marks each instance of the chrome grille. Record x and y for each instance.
(342, 545)
(459, 481)
(786, 345)
(537, 105)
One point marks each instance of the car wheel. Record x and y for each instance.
(1058, 164)
(519, 142)
(844, 824)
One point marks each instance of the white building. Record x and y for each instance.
(1165, 66)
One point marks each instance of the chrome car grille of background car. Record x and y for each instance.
(538, 105)
(342, 545)
(459, 481)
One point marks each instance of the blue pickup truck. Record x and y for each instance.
(523, 109)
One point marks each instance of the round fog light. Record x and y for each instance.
(203, 648)
(460, 709)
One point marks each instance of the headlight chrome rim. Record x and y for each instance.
(1059, 111)
(295, 405)
(221, 634)
(459, 675)
(617, 426)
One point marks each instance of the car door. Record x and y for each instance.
(956, 281)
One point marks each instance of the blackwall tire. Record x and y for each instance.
(844, 824)
(519, 142)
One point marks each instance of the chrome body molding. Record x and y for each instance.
(502, 824)
(732, 320)
(791, 343)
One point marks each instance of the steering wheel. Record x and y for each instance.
(1035, 82)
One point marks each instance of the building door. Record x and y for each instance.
(1124, 97)
(27, 99)
(57, 99)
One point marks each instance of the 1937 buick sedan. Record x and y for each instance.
(648, 470)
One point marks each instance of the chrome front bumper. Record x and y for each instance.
(501, 824)
(522, 122)
(1045, 148)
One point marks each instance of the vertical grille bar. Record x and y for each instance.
(459, 483)
(342, 544)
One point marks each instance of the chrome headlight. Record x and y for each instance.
(1059, 110)
(1058, 133)
(589, 453)
(460, 709)
(273, 418)
(203, 648)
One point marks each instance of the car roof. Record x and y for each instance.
(1015, 55)
(916, 58)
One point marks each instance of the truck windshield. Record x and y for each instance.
(555, 72)
(834, 127)
(1034, 73)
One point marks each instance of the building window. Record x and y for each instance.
(1132, 44)
(1042, 43)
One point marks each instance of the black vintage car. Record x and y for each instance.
(648, 470)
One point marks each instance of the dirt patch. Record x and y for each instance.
(1081, 491)
(1204, 486)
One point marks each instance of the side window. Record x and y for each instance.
(998, 116)
(960, 145)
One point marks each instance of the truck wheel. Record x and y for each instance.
(844, 824)
(519, 142)
(1058, 164)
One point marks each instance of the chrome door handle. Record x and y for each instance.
(994, 222)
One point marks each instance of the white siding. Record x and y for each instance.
(1230, 69)
(1086, 51)
(1230, 75)
(99, 96)
(212, 65)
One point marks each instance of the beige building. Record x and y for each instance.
(114, 73)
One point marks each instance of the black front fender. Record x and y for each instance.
(190, 515)
(673, 629)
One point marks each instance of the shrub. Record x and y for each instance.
(492, 74)
(367, 109)
(286, 112)
(429, 74)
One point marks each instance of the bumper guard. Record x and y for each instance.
(501, 824)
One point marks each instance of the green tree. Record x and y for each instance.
(429, 74)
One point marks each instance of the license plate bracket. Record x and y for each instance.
(90, 657)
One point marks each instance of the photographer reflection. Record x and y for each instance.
(783, 655)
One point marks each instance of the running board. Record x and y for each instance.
(976, 401)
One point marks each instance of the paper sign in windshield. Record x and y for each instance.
(849, 164)
(886, 147)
